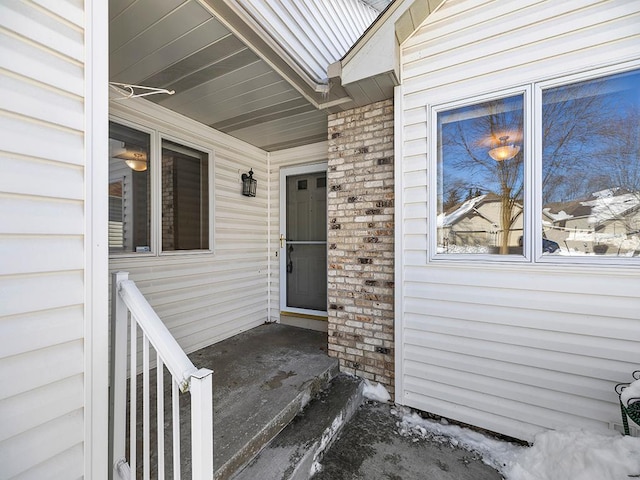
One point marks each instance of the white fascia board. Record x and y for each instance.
(379, 55)
(377, 51)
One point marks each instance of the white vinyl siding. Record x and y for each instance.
(309, 154)
(42, 234)
(511, 348)
(205, 297)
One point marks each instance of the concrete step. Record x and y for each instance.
(262, 380)
(295, 452)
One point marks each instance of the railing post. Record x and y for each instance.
(118, 377)
(202, 424)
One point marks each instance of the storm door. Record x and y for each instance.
(303, 240)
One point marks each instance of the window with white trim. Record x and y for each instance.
(573, 194)
(185, 198)
(158, 202)
(480, 185)
(129, 189)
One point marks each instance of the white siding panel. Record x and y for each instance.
(204, 298)
(46, 67)
(39, 406)
(45, 216)
(71, 11)
(514, 348)
(42, 202)
(39, 448)
(40, 140)
(30, 370)
(64, 465)
(27, 99)
(42, 28)
(36, 330)
(26, 255)
(29, 176)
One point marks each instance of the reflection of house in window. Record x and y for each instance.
(606, 223)
(474, 227)
(116, 216)
(129, 191)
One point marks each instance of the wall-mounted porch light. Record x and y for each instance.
(504, 151)
(249, 184)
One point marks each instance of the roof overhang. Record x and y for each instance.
(370, 70)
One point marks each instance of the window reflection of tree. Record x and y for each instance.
(590, 150)
(466, 143)
(591, 143)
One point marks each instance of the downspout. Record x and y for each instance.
(269, 273)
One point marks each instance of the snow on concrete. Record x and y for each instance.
(376, 392)
(577, 454)
(565, 454)
(328, 435)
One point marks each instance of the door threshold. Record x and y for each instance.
(301, 320)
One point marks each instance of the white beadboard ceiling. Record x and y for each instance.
(254, 69)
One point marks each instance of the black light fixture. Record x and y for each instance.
(249, 184)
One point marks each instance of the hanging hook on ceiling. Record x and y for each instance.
(133, 91)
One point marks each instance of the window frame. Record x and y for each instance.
(433, 177)
(152, 153)
(210, 170)
(533, 143)
(539, 88)
(155, 164)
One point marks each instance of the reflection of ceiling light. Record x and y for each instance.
(135, 159)
(504, 151)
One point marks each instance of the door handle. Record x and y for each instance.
(282, 240)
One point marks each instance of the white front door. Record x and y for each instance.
(303, 240)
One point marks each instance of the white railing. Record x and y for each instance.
(131, 314)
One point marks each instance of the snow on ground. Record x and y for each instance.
(566, 454)
(632, 391)
(376, 392)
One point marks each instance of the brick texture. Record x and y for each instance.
(360, 207)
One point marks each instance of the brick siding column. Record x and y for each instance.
(360, 208)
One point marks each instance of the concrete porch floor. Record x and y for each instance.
(263, 378)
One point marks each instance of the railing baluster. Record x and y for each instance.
(118, 377)
(146, 437)
(201, 425)
(133, 402)
(160, 414)
(128, 301)
(175, 402)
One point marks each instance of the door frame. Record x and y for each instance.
(284, 173)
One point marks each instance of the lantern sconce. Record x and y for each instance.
(249, 184)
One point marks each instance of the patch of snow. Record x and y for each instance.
(607, 207)
(495, 453)
(607, 193)
(556, 217)
(444, 220)
(327, 437)
(315, 468)
(564, 454)
(376, 392)
(579, 455)
(632, 391)
(464, 249)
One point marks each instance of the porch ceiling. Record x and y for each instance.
(253, 69)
